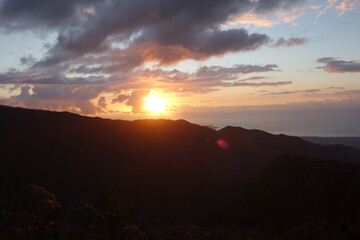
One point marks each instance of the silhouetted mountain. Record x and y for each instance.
(348, 141)
(178, 167)
(294, 189)
(260, 142)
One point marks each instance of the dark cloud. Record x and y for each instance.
(167, 31)
(199, 45)
(47, 78)
(335, 88)
(307, 91)
(128, 14)
(27, 60)
(237, 69)
(219, 42)
(333, 65)
(208, 79)
(254, 78)
(58, 91)
(24, 14)
(136, 101)
(348, 93)
(330, 91)
(63, 80)
(102, 102)
(264, 6)
(252, 84)
(120, 98)
(102, 46)
(281, 42)
(214, 73)
(74, 98)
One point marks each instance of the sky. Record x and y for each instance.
(284, 66)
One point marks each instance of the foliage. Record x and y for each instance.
(105, 217)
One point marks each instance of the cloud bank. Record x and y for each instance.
(165, 31)
(102, 47)
(334, 65)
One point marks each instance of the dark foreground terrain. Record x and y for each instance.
(65, 176)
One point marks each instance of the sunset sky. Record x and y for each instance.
(284, 66)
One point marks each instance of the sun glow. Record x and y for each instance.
(155, 104)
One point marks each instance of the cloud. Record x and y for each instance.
(347, 5)
(333, 65)
(335, 88)
(291, 15)
(102, 102)
(307, 91)
(89, 95)
(353, 92)
(27, 60)
(254, 78)
(251, 19)
(260, 84)
(237, 69)
(74, 98)
(323, 8)
(208, 79)
(23, 14)
(106, 37)
(342, 6)
(120, 98)
(330, 91)
(46, 78)
(166, 31)
(136, 101)
(163, 49)
(281, 42)
(103, 47)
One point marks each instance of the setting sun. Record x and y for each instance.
(155, 104)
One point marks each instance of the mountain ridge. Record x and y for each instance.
(179, 166)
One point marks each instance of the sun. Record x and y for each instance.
(155, 104)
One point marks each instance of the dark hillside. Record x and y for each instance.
(178, 166)
(294, 189)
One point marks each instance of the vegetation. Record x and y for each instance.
(296, 197)
(63, 176)
(105, 217)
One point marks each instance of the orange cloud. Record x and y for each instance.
(347, 5)
(289, 16)
(251, 19)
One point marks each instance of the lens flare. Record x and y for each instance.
(222, 144)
